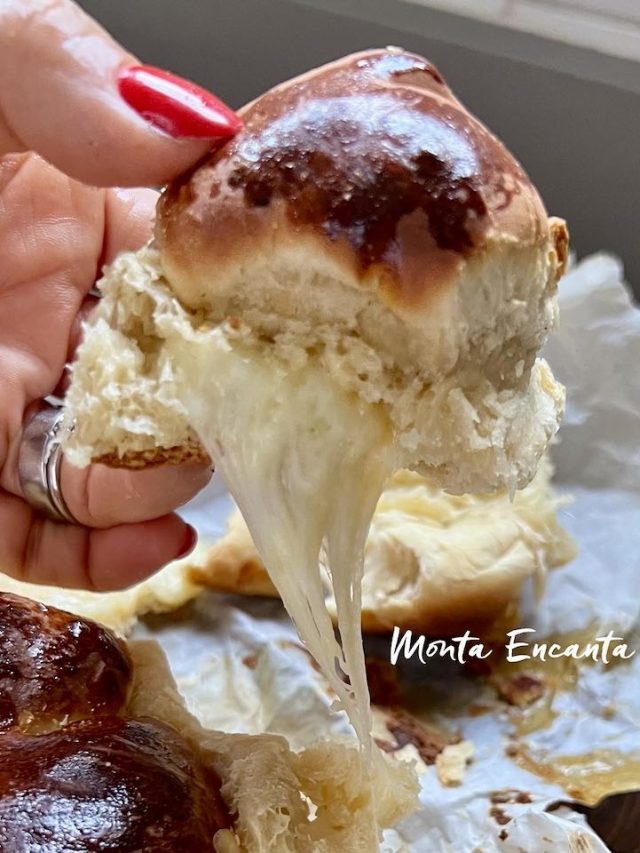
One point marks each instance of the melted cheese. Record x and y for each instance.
(306, 462)
(433, 561)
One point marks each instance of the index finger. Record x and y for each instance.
(59, 96)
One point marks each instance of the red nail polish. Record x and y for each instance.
(190, 539)
(176, 106)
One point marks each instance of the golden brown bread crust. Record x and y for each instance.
(107, 784)
(190, 453)
(73, 775)
(374, 157)
(247, 577)
(560, 241)
(234, 566)
(238, 570)
(363, 199)
(492, 615)
(55, 666)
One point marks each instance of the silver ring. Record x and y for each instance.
(39, 462)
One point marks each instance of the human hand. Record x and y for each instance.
(63, 84)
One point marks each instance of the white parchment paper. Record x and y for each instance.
(240, 668)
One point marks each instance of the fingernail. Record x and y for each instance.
(190, 539)
(176, 106)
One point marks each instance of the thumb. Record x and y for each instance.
(69, 92)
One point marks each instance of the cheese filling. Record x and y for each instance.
(304, 455)
(305, 424)
(306, 462)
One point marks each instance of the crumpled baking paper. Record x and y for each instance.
(241, 668)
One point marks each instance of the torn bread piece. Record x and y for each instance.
(363, 218)
(318, 800)
(97, 743)
(434, 563)
(451, 763)
(360, 281)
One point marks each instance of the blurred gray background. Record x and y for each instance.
(571, 115)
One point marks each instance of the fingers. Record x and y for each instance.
(102, 497)
(55, 234)
(62, 81)
(36, 550)
(128, 225)
(53, 241)
(129, 217)
(75, 335)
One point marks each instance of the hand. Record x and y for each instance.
(63, 85)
